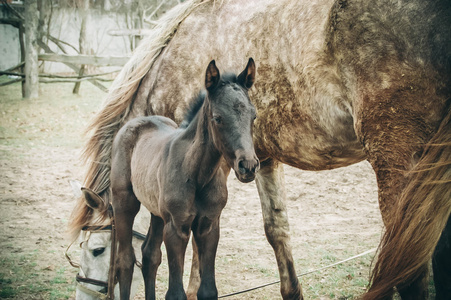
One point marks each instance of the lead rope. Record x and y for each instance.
(303, 274)
(66, 253)
(112, 271)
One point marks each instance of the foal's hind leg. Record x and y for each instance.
(125, 206)
(270, 184)
(151, 250)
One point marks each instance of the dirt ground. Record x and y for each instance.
(333, 215)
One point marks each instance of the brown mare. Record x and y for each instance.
(340, 81)
(176, 174)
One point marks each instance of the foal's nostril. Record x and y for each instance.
(248, 166)
(241, 167)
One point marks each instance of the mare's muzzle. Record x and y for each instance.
(246, 166)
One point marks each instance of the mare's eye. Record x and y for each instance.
(98, 251)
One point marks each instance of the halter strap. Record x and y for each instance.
(80, 278)
(96, 227)
(96, 294)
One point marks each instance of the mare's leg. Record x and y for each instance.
(441, 264)
(176, 238)
(393, 127)
(206, 234)
(125, 206)
(271, 188)
(151, 250)
(194, 279)
(390, 163)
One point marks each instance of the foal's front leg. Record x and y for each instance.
(271, 189)
(206, 234)
(175, 237)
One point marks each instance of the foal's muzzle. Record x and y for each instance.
(246, 166)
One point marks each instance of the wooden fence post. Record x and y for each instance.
(31, 49)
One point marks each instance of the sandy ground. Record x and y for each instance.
(333, 215)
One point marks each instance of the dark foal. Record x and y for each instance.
(176, 174)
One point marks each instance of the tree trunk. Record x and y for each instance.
(22, 53)
(83, 41)
(31, 49)
(45, 12)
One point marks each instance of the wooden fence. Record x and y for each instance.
(72, 61)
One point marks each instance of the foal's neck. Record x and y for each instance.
(202, 156)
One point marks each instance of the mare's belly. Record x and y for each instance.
(306, 139)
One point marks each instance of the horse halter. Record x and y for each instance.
(108, 285)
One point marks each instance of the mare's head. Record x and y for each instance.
(95, 235)
(231, 116)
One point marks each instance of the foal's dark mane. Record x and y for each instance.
(193, 108)
(197, 102)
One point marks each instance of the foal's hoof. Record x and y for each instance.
(176, 296)
(207, 296)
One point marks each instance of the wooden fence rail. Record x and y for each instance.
(80, 59)
(71, 60)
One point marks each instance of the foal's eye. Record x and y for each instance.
(96, 252)
(217, 119)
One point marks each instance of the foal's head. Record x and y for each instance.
(231, 115)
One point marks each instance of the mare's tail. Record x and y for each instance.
(420, 217)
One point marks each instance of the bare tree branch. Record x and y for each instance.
(59, 43)
(15, 67)
(12, 10)
(12, 81)
(16, 22)
(148, 19)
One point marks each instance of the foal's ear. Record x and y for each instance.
(93, 200)
(247, 77)
(211, 76)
